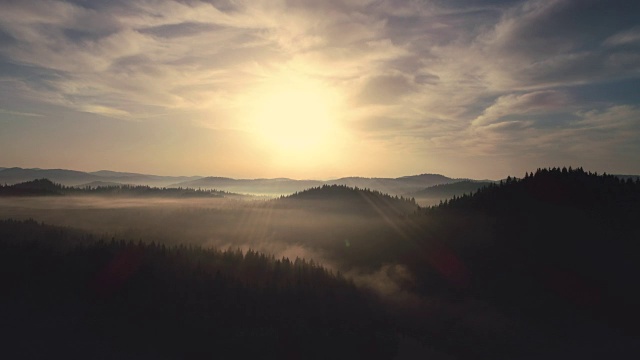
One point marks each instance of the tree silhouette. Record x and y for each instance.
(152, 301)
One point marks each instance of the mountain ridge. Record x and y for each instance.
(15, 175)
(407, 185)
(261, 186)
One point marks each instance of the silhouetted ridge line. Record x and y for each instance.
(561, 186)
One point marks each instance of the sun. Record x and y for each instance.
(293, 119)
(294, 116)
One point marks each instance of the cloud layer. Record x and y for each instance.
(460, 87)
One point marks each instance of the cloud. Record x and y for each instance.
(618, 117)
(105, 110)
(385, 89)
(555, 42)
(598, 138)
(430, 77)
(631, 36)
(19, 113)
(185, 29)
(534, 103)
(426, 79)
(176, 55)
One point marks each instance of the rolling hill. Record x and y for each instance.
(342, 198)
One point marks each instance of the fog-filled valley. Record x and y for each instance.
(534, 266)
(332, 222)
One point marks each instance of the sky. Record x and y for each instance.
(320, 89)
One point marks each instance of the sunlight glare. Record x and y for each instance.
(295, 115)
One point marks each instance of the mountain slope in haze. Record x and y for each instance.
(434, 194)
(73, 178)
(142, 179)
(68, 177)
(100, 183)
(395, 186)
(113, 174)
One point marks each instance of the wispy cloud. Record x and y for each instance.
(534, 103)
(19, 113)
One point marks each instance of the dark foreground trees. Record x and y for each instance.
(557, 251)
(67, 295)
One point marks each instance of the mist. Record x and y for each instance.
(284, 231)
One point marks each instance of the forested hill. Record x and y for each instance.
(562, 188)
(33, 188)
(348, 199)
(556, 246)
(67, 294)
(45, 187)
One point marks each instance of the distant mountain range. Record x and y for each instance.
(409, 186)
(16, 175)
(278, 186)
(395, 186)
(274, 187)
